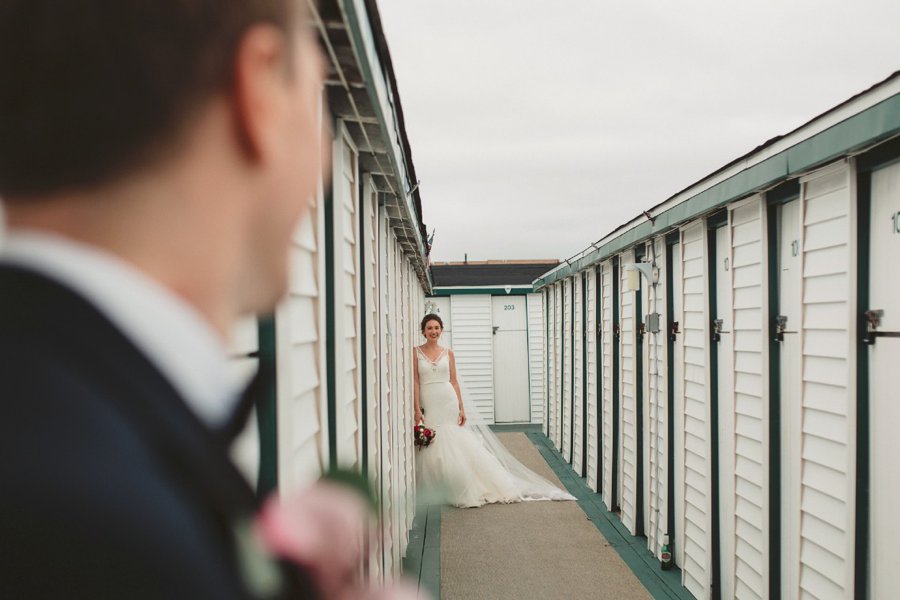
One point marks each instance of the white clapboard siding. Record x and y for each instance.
(536, 369)
(566, 409)
(578, 366)
(345, 223)
(302, 405)
(607, 351)
(558, 390)
(369, 208)
(751, 397)
(695, 420)
(550, 349)
(657, 403)
(403, 358)
(828, 389)
(473, 348)
(593, 434)
(628, 393)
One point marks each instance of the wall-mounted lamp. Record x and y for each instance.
(634, 272)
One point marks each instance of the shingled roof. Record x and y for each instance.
(489, 273)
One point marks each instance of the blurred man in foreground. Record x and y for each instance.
(155, 157)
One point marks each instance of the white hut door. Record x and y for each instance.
(511, 386)
(677, 382)
(884, 356)
(789, 266)
(725, 393)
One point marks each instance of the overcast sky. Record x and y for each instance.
(537, 127)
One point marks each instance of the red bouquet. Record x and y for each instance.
(422, 435)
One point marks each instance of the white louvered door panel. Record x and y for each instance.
(628, 394)
(373, 364)
(749, 262)
(884, 356)
(593, 434)
(606, 357)
(536, 364)
(568, 354)
(558, 390)
(345, 219)
(828, 388)
(677, 347)
(578, 375)
(473, 348)
(300, 347)
(695, 334)
(386, 412)
(725, 403)
(549, 298)
(657, 401)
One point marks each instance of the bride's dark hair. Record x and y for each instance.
(431, 317)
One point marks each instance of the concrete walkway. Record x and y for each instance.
(544, 550)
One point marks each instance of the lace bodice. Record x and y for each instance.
(434, 372)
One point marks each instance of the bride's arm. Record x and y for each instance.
(418, 414)
(455, 384)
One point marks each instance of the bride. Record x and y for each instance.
(467, 463)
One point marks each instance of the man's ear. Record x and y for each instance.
(258, 92)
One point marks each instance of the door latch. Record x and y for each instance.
(673, 332)
(717, 330)
(873, 322)
(780, 326)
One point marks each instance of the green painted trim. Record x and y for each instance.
(662, 585)
(862, 130)
(670, 395)
(715, 585)
(266, 409)
(774, 395)
(330, 332)
(562, 365)
(516, 428)
(546, 419)
(614, 476)
(638, 346)
(492, 291)
(863, 439)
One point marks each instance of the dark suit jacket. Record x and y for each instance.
(110, 487)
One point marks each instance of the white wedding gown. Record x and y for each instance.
(467, 466)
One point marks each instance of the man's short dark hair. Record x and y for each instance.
(91, 89)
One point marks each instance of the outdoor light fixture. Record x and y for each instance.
(634, 271)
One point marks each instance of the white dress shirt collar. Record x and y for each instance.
(170, 332)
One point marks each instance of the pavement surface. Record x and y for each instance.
(529, 550)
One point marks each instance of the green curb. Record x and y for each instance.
(662, 585)
(422, 563)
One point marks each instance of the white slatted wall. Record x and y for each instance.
(346, 310)
(536, 362)
(578, 366)
(828, 392)
(593, 437)
(557, 392)
(751, 398)
(566, 411)
(550, 299)
(473, 348)
(302, 405)
(369, 209)
(607, 350)
(628, 395)
(695, 420)
(657, 403)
